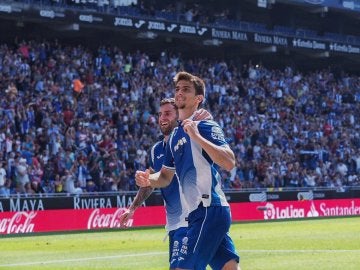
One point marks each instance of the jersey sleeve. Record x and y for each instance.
(169, 158)
(152, 157)
(211, 131)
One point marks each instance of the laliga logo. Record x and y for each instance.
(272, 212)
(269, 213)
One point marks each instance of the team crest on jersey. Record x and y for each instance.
(179, 143)
(217, 134)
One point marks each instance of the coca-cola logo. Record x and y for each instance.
(20, 222)
(112, 220)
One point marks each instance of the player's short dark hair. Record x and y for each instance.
(168, 101)
(198, 83)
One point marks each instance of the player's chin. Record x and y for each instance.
(166, 131)
(180, 105)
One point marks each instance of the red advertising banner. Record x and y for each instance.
(295, 209)
(101, 218)
(82, 219)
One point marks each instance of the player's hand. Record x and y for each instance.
(202, 114)
(125, 217)
(190, 127)
(142, 178)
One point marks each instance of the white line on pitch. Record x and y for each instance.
(298, 250)
(83, 259)
(162, 253)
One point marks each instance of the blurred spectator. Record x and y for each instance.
(22, 176)
(3, 190)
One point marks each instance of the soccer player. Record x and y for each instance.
(176, 209)
(194, 151)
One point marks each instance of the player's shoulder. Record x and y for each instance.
(211, 130)
(175, 129)
(157, 144)
(173, 133)
(208, 124)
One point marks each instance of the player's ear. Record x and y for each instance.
(200, 98)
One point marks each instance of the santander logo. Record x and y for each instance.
(312, 212)
(98, 220)
(20, 222)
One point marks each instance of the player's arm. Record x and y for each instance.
(162, 178)
(155, 180)
(222, 155)
(142, 194)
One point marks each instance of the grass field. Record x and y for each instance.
(318, 244)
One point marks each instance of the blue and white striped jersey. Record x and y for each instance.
(198, 175)
(175, 205)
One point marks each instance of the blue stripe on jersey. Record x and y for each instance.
(198, 174)
(176, 212)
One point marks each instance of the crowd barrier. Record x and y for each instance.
(91, 212)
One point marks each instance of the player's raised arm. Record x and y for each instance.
(222, 155)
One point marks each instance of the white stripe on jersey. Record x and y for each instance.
(203, 176)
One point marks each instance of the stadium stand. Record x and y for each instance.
(80, 117)
(294, 18)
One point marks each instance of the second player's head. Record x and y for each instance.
(168, 116)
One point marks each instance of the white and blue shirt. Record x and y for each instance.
(199, 178)
(175, 205)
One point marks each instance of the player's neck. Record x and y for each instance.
(186, 113)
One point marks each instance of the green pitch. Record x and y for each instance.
(319, 244)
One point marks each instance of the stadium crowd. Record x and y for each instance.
(74, 120)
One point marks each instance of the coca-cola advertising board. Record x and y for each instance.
(106, 218)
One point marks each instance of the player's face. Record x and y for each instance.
(167, 118)
(185, 96)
